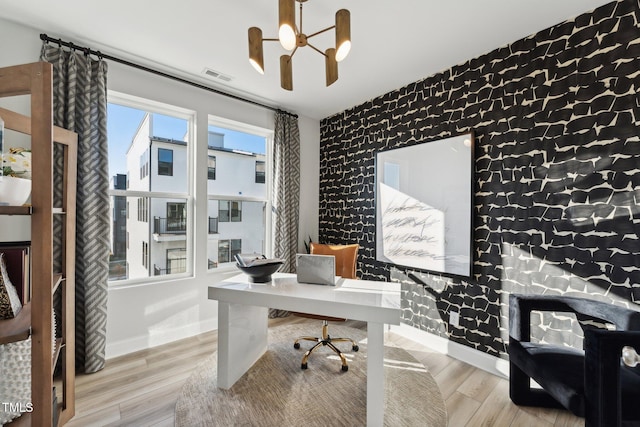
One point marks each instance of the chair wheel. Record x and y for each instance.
(296, 345)
(303, 366)
(345, 368)
(355, 348)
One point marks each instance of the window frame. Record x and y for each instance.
(268, 135)
(189, 115)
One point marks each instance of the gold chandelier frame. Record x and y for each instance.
(292, 37)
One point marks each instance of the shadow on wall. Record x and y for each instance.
(428, 299)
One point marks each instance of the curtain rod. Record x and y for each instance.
(99, 54)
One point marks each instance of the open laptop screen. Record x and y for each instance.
(316, 269)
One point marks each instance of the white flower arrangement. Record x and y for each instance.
(17, 163)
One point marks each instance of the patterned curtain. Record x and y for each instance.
(80, 105)
(286, 192)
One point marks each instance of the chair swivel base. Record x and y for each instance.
(326, 340)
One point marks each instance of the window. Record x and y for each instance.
(228, 249)
(176, 261)
(165, 162)
(236, 248)
(176, 217)
(140, 132)
(229, 211)
(143, 209)
(211, 168)
(223, 251)
(223, 211)
(144, 164)
(151, 145)
(236, 211)
(239, 210)
(260, 169)
(145, 254)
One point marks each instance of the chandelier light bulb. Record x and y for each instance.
(343, 34)
(287, 24)
(287, 37)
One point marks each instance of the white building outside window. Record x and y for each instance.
(154, 155)
(238, 205)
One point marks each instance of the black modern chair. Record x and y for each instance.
(593, 383)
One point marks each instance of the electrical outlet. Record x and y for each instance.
(454, 318)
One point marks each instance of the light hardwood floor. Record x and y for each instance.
(141, 389)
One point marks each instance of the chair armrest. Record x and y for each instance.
(521, 306)
(602, 374)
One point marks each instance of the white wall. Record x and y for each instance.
(236, 175)
(146, 315)
(18, 46)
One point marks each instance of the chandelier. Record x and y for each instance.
(291, 37)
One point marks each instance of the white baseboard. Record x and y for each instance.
(130, 345)
(484, 361)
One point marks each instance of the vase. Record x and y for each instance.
(14, 191)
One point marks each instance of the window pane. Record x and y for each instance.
(149, 236)
(260, 172)
(223, 211)
(236, 155)
(235, 226)
(223, 251)
(159, 228)
(134, 137)
(163, 229)
(165, 162)
(244, 236)
(211, 168)
(236, 211)
(176, 262)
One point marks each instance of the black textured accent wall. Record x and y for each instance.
(557, 174)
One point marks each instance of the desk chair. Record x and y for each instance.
(346, 259)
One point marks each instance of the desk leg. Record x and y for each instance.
(375, 374)
(242, 339)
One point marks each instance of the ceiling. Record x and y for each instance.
(394, 43)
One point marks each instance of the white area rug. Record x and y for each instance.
(276, 392)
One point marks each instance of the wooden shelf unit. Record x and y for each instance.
(36, 316)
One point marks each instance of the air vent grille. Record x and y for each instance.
(217, 75)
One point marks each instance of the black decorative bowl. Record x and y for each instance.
(260, 273)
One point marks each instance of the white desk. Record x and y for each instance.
(243, 321)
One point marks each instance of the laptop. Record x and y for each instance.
(316, 269)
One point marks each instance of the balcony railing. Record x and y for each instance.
(169, 225)
(177, 265)
(213, 225)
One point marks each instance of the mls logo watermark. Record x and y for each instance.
(17, 407)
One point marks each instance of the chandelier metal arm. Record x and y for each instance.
(293, 52)
(321, 31)
(300, 29)
(316, 49)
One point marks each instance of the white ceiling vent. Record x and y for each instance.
(217, 75)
